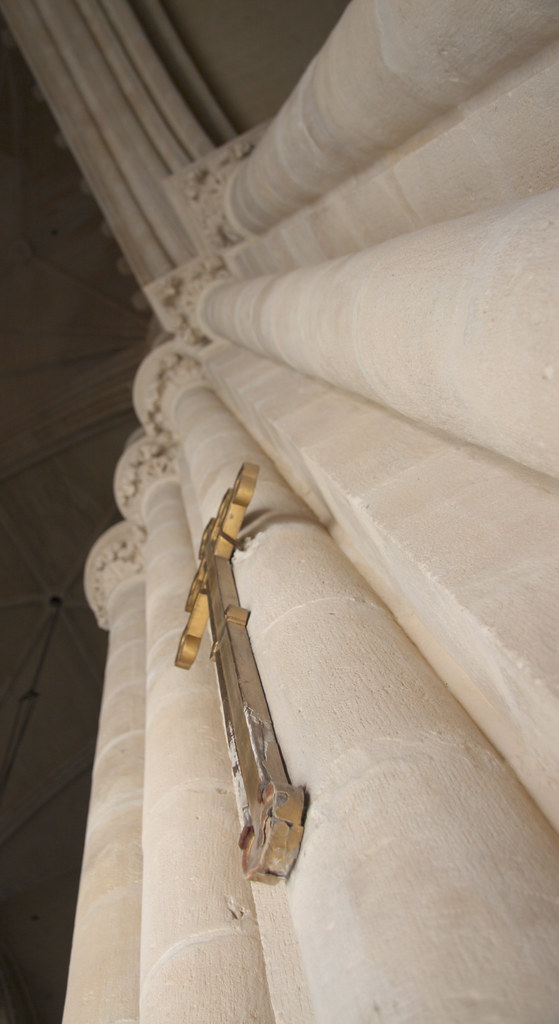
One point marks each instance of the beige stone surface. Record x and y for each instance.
(454, 325)
(385, 72)
(501, 145)
(103, 984)
(461, 545)
(201, 958)
(414, 896)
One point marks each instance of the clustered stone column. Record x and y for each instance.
(201, 957)
(389, 759)
(103, 981)
(398, 363)
(386, 71)
(430, 322)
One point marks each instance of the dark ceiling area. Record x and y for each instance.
(70, 341)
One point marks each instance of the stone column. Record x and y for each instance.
(201, 957)
(386, 71)
(453, 326)
(410, 897)
(104, 972)
(459, 543)
(497, 147)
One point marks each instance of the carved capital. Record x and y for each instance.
(116, 557)
(199, 193)
(141, 465)
(175, 296)
(165, 372)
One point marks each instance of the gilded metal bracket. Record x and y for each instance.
(272, 808)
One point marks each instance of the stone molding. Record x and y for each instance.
(166, 370)
(199, 193)
(175, 296)
(116, 557)
(143, 464)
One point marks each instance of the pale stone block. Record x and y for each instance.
(192, 839)
(117, 777)
(495, 148)
(193, 987)
(182, 762)
(196, 904)
(462, 546)
(109, 937)
(386, 71)
(431, 324)
(112, 861)
(409, 803)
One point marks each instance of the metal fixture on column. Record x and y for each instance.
(272, 809)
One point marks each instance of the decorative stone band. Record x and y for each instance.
(199, 193)
(115, 558)
(175, 296)
(144, 463)
(165, 372)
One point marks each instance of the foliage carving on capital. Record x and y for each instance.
(203, 186)
(175, 296)
(165, 370)
(117, 555)
(142, 464)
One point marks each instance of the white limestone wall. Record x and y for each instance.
(454, 326)
(103, 981)
(463, 546)
(201, 957)
(500, 145)
(427, 885)
(386, 71)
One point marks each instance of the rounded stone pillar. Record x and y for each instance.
(105, 961)
(386, 71)
(201, 956)
(454, 326)
(427, 883)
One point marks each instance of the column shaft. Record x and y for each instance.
(495, 148)
(201, 953)
(453, 325)
(386, 71)
(418, 837)
(103, 982)
(461, 545)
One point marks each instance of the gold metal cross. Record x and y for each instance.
(272, 809)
